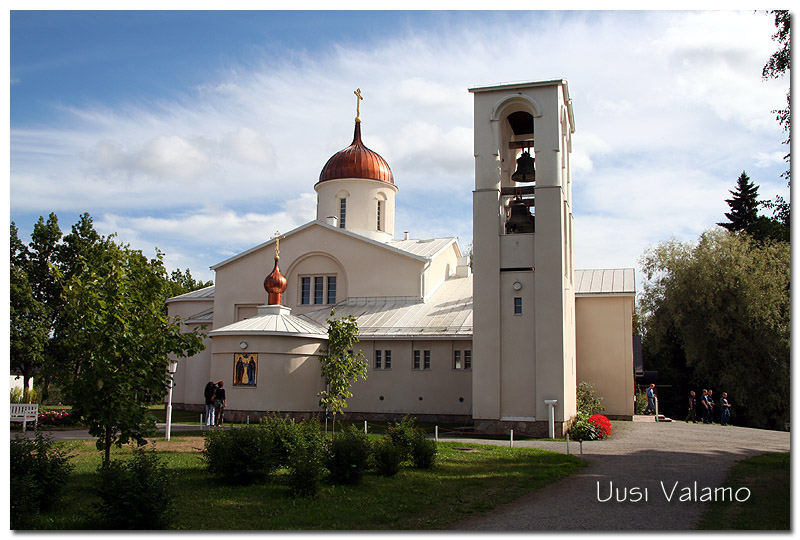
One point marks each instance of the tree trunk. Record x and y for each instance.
(107, 444)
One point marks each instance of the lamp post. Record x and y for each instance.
(171, 368)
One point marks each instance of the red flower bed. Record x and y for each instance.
(602, 425)
(55, 418)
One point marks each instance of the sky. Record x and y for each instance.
(202, 133)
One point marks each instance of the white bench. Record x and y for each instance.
(25, 412)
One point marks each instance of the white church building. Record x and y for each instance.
(496, 345)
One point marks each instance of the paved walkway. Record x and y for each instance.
(639, 454)
(83, 434)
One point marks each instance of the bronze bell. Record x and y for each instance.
(520, 220)
(526, 171)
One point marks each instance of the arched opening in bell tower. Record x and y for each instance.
(518, 176)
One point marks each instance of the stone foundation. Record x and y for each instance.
(533, 429)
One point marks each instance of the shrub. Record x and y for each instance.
(347, 456)
(641, 401)
(239, 456)
(280, 435)
(386, 456)
(601, 424)
(17, 395)
(582, 430)
(402, 435)
(423, 450)
(306, 459)
(135, 493)
(588, 402)
(39, 471)
(56, 418)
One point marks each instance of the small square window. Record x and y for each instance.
(305, 290)
(517, 305)
(387, 359)
(467, 359)
(457, 360)
(426, 360)
(416, 359)
(377, 359)
(331, 289)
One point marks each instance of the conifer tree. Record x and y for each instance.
(743, 204)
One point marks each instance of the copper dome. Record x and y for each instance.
(357, 161)
(275, 285)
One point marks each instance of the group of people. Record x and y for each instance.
(214, 394)
(707, 407)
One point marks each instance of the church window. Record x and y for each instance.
(462, 362)
(422, 359)
(318, 291)
(517, 305)
(331, 289)
(342, 212)
(305, 290)
(383, 359)
(379, 215)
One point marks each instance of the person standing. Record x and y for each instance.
(711, 406)
(725, 410)
(208, 394)
(219, 403)
(692, 408)
(706, 407)
(651, 400)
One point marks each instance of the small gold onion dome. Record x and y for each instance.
(275, 285)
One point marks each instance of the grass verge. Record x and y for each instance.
(767, 476)
(467, 479)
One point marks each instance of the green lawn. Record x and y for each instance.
(768, 478)
(467, 479)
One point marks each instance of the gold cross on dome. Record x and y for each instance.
(358, 104)
(277, 238)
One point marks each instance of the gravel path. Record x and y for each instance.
(639, 454)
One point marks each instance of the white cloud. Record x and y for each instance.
(669, 107)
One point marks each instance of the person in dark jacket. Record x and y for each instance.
(725, 410)
(208, 394)
(692, 408)
(219, 403)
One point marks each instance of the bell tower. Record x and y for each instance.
(523, 293)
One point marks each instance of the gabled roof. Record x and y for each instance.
(609, 281)
(424, 247)
(389, 246)
(206, 293)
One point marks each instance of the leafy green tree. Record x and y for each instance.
(27, 324)
(181, 282)
(340, 366)
(778, 64)
(119, 339)
(719, 312)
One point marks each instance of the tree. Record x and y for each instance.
(181, 282)
(27, 318)
(118, 339)
(743, 204)
(778, 64)
(719, 312)
(340, 366)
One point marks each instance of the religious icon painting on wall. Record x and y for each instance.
(245, 369)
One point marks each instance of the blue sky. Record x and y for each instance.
(202, 133)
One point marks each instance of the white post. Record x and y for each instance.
(247, 420)
(656, 400)
(171, 369)
(511, 442)
(201, 422)
(567, 437)
(365, 427)
(581, 445)
(436, 433)
(551, 419)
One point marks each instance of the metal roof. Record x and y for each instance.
(447, 314)
(424, 247)
(609, 281)
(279, 322)
(206, 316)
(206, 293)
